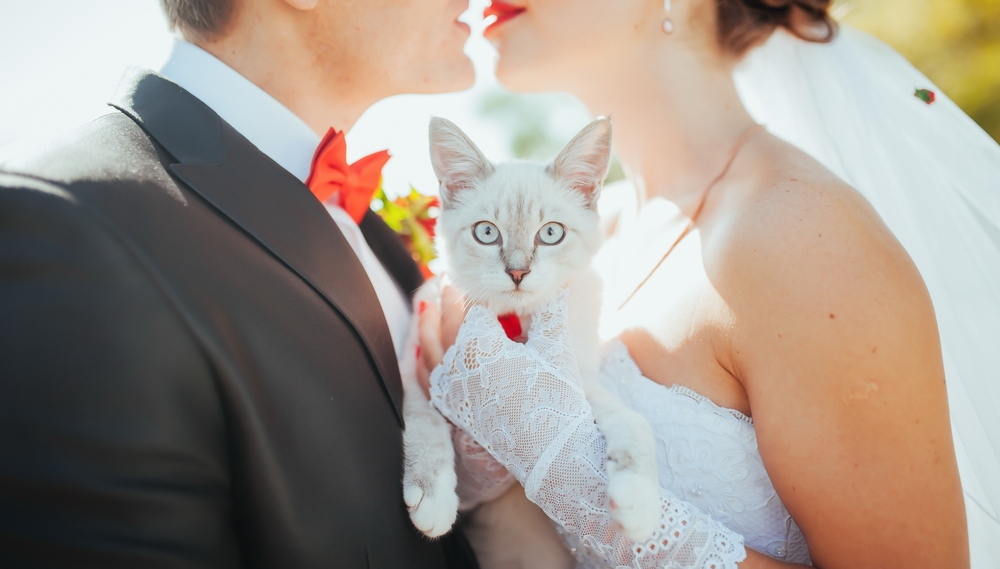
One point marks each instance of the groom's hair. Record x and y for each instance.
(202, 19)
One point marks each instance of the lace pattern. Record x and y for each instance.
(708, 455)
(480, 477)
(524, 404)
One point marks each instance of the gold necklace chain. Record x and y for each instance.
(701, 204)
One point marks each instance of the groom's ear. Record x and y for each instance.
(456, 160)
(583, 164)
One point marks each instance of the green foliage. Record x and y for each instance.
(529, 120)
(413, 217)
(956, 43)
(534, 121)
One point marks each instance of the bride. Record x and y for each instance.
(773, 296)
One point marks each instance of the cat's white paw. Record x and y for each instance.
(429, 478)
(634, 493)
(633, 483)
(432, 501)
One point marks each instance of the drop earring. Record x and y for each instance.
(668, 24)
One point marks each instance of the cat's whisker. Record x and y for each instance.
(475, 295)
(472, 295)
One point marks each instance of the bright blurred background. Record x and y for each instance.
(61, 59)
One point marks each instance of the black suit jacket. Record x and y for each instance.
(194, 368)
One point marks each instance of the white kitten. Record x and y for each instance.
(512, 236)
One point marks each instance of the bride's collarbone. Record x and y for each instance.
(701, 375)
(686, 348)
(677, 326)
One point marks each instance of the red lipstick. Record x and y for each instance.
(503, 11)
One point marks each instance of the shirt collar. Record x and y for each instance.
(267, 124)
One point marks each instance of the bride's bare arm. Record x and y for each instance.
(836, 343)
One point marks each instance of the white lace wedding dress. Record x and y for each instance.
(708, 456)
(525, 406)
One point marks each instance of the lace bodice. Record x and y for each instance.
(707, 455)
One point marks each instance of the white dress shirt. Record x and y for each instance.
(286, 139)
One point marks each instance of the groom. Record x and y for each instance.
(197, 355)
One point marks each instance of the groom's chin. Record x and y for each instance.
(457, 76)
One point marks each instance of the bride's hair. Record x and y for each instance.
(745, 23)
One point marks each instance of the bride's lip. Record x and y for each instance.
(503, 11)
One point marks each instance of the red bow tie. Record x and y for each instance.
(354, 185)
(511, 325)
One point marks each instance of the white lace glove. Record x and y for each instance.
(525, 405)
(480, 477)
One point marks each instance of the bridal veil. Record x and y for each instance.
(934, 177)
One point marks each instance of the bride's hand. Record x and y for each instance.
(438, 328)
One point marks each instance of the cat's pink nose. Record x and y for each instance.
(517, 275)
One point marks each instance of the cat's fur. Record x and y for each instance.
(519, 198)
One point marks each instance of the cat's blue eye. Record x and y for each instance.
(486, 233)
(551, 233)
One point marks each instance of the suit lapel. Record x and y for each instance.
(273, 207)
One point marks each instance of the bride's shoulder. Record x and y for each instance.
(819, 289)
(787, 181)
(792, 199)
(803, 234)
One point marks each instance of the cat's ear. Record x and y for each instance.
(583, 163)
(456, 160)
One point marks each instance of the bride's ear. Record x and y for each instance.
(456, 160)
(583, 163)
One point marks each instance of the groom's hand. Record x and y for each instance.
(438, 328)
